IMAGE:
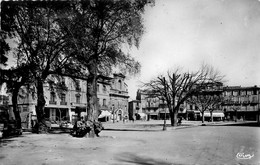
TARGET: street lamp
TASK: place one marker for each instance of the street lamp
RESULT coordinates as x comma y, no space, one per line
258,116
113,113
164,124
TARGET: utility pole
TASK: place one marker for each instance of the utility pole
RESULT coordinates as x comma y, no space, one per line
113,109
258,114
164,124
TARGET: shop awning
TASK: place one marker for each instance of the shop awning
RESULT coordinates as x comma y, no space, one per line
104,114
142,114
163,111
215,114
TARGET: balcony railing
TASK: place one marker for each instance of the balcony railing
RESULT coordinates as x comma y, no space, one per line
53,102
63,103
78,89
103,106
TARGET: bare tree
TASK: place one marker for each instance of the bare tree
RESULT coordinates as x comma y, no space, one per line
176,87
206,99
215,105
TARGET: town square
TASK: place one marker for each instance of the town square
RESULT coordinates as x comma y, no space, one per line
140,143
144,82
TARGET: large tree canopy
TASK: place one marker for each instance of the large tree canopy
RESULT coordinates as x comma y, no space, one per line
74,37
99,29
40,42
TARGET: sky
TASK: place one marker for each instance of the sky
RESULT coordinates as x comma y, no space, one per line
224,34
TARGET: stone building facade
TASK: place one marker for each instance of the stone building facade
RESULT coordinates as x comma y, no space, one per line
113,96
152,106
134,109
62,101
65,100
241,103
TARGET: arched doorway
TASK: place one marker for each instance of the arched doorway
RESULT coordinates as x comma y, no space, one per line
119,115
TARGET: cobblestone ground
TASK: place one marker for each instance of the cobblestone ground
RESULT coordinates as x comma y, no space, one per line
142,143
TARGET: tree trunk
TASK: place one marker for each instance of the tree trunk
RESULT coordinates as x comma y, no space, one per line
92,113
211,116
174,118
203,119
15,110
41,127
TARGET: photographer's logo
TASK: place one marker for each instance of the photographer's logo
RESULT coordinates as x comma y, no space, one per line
245,154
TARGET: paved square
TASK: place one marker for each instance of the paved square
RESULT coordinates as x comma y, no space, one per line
138,143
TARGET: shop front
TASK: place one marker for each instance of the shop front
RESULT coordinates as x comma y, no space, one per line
193,115
164,114
56,114
217,116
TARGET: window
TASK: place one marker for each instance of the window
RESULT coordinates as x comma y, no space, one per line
191,107
25,109
51,83
104,102
77,99
243,93
98,87
52,97
98,102
229,93
78,85
104,89
63,97
120,84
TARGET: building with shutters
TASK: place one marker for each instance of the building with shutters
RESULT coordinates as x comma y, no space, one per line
241,103
66,98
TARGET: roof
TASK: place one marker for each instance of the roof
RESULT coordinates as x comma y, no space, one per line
119,95
137,101
240,88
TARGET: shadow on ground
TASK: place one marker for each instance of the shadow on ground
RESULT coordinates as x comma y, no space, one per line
146,127
59,131
245,124
5,141
131,158
125,129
